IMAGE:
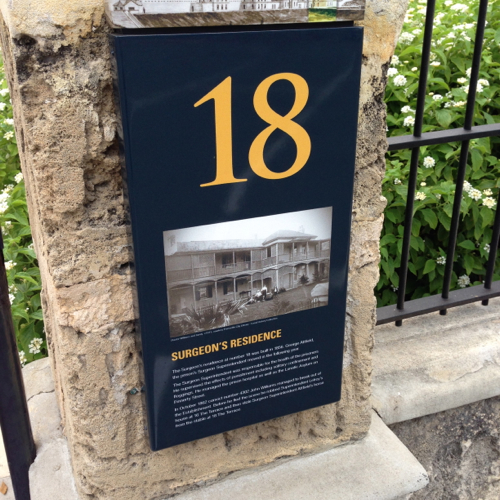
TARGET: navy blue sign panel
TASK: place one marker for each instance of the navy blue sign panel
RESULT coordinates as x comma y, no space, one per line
240,150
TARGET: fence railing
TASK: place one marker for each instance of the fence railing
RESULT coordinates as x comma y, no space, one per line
446,299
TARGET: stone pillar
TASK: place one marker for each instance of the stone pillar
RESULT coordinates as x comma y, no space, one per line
58,62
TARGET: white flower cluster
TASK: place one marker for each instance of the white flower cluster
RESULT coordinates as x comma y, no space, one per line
392,72
486,248
441,260
9,121
19,177
407,109
479,88
11,298
459,7
489,202
459,27
399,80
420,195
476,195
406,38
437,97
4,200
395,60
429,162
409,121
4,92
22,358
8,135
397,181
9,265
463,281
35,345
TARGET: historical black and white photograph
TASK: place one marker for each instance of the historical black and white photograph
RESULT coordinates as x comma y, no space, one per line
241,271
170,13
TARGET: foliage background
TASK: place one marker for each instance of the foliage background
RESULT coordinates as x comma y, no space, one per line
447,90
20,260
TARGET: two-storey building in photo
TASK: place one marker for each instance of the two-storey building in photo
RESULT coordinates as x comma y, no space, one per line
188,6
204,273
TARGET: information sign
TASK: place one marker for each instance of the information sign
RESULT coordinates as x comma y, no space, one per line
240,151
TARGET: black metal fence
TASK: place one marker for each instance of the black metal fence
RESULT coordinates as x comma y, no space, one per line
14,417
446,299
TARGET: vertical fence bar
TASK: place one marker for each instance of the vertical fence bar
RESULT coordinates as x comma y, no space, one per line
14,417
490,267
417,132
476,63
457,201
464,151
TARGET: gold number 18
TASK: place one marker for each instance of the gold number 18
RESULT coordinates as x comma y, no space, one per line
223,129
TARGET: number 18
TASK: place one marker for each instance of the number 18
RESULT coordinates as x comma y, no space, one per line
223,129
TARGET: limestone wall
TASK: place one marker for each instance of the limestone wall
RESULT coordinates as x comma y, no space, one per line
58,62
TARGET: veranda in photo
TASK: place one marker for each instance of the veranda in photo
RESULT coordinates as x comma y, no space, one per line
242,271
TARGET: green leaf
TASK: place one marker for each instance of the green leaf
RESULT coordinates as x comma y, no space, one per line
391,215
430,265
20,217
477,159
28,251
467,244
445,220
468,263
430,217
487,216
26,335
443,117
448,209
36,301
478,231
19,312
388,238
415,227
37,315
414,243
25,276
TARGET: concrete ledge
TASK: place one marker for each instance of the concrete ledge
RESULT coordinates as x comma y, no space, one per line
379,467
434,363
10,492
37,381
51,477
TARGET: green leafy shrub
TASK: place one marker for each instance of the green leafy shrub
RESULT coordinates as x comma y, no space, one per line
21,265
447,90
